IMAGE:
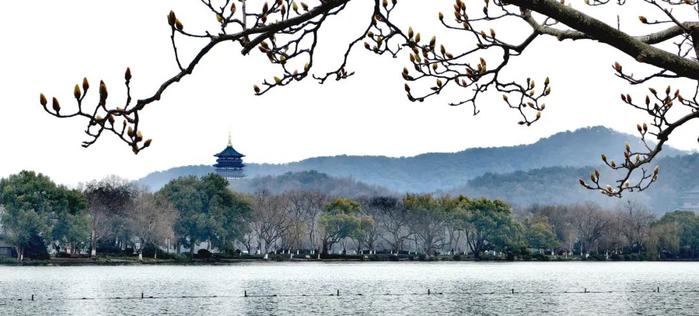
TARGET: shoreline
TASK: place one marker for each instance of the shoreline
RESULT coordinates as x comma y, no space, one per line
124,261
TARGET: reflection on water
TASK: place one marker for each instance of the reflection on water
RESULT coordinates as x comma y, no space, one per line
365,288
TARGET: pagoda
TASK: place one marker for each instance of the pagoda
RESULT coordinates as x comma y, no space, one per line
229,162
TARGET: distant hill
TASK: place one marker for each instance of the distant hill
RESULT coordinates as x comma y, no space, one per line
307,181
444,171
558,185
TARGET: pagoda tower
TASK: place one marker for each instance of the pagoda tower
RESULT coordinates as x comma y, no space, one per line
229,162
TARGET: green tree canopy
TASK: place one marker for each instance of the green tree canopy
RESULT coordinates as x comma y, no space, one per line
33,205
678,231
209,211
489,225
340,219
539,233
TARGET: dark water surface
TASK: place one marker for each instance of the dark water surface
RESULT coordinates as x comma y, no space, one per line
387,288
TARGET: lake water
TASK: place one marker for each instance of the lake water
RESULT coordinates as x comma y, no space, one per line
388,288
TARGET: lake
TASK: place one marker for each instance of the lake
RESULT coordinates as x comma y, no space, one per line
366,288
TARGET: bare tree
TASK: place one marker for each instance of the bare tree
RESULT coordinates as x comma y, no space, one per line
635,224
295,234
108,199
590,223
286,31
270,221
310,205
151,220
393,219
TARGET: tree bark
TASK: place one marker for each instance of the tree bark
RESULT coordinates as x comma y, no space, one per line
93,242
602,32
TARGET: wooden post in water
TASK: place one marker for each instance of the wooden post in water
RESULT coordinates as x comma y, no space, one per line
658,289
338,292
141,295
245,293
513,291
428,292
32,297
585,290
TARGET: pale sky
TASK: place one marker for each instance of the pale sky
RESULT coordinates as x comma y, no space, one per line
49,45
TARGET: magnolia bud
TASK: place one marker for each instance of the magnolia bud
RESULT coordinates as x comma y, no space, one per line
86,85
127,74
42,99
147,143
256,88
103,90
171,18
56,106
76,91
617,66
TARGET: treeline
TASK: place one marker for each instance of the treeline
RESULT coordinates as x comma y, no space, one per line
193,216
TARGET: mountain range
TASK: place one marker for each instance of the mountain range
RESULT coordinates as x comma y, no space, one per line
441,171
543,172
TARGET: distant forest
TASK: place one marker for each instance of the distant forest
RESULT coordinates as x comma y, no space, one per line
201,217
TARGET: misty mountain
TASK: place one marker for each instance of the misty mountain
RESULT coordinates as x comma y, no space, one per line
558,185
444,171
307,181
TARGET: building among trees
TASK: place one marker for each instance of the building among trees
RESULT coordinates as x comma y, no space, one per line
229,163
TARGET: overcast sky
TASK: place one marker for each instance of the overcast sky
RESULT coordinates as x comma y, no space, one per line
49,45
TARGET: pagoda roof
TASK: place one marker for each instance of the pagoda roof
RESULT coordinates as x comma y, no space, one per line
230,152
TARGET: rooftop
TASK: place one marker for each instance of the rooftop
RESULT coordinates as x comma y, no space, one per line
229,152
